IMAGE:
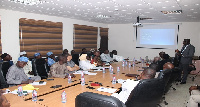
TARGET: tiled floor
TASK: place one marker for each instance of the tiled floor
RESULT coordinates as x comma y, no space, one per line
180,96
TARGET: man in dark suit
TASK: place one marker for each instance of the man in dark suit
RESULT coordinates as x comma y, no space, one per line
187,52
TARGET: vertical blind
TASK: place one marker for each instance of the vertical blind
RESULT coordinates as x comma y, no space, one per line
40,36
104,38
84,37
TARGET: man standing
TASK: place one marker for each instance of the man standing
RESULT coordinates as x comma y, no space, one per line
187,52
16,73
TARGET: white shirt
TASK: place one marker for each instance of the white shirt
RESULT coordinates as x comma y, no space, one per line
106,57
118,58
85,65
127,87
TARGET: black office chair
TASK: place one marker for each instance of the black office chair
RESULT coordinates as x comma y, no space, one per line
174,76
3,83
89,99
165,76
40,69
147,93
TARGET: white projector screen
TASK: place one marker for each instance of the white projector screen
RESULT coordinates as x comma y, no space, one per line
158,36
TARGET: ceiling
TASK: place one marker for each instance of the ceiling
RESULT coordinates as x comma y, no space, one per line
119,11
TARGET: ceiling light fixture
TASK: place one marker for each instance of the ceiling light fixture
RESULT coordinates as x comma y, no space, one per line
28,2
172,12
103,16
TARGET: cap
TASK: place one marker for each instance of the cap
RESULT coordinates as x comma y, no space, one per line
22,53
23,59
49,53
37,54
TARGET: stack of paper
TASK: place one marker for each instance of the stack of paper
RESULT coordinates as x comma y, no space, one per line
108,90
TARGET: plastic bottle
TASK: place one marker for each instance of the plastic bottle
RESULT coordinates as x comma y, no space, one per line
20,91
129,65
34,95
69,79
134,59
126,63
123,63
110,67
82,79
111,71
104,71
91,60
64,97
114,80
118,69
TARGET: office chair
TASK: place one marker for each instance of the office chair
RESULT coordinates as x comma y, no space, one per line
40,70
165,76
3,83
147,93
89,99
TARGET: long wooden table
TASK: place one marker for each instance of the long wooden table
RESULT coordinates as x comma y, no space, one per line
52,97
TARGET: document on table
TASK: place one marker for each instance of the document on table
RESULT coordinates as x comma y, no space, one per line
85,72
108,90
37,83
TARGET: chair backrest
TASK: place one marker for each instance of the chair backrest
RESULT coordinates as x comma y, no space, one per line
165,76
89,99
39,69
174,75
147,93
75,58
3,83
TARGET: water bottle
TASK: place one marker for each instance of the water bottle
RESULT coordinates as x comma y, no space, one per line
123,64
104,71
114,80
69,79
20,91
118,69
34,95
126,63
64,97
111,71
110,68
129,65
134,59
82,79
133,63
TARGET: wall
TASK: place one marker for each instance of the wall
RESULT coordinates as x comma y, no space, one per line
10,29
122,38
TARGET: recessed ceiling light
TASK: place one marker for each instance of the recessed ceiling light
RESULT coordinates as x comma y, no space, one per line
146,12
191,9
173,6
116,9
139,9
195,12
139,4
163,7
98,2
150,8
166,1
185,5
127,5
197,4
107,7
159,2
123,10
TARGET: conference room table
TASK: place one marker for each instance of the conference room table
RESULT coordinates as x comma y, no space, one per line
51,97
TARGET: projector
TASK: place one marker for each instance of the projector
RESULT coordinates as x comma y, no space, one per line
137,24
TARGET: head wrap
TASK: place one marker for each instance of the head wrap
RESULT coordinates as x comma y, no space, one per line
22,53
49,53
37,54
3,55
23,59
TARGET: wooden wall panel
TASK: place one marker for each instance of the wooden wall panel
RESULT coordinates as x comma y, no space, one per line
85,37
40,36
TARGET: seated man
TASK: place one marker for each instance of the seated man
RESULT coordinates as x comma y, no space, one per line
106,56
28,67
165,59
59,69
65,52
156,60
3,101
7,63
195,96
166,66
71,66
129,85
16,73
84,63
97,58
116,57
51,59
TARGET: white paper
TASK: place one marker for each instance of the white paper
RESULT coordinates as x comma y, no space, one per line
121,81
92,73
108,90
37,83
